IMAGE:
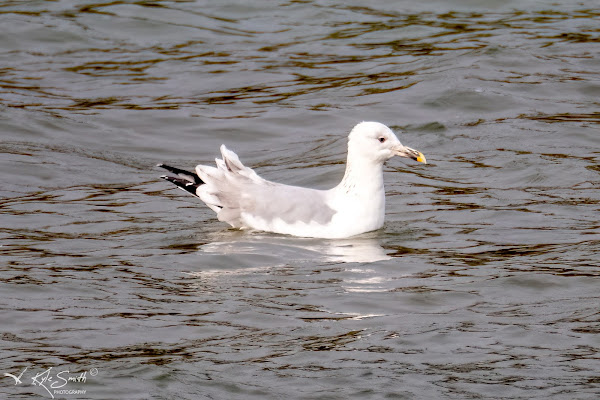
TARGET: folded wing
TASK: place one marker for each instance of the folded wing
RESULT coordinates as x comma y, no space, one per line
245,200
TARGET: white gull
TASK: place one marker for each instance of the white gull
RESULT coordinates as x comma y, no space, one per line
356,205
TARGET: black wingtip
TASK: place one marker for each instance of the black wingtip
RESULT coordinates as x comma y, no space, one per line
183,184
182,173
185,180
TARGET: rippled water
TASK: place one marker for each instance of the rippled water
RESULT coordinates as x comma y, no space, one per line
482,284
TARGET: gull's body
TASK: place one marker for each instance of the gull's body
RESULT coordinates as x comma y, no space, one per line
246,201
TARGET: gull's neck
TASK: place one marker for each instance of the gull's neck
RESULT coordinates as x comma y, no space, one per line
363,178
359,199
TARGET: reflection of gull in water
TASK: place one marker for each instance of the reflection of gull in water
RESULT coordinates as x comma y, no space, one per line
237,255
360,250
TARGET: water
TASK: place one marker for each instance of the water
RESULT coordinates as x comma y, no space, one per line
482,284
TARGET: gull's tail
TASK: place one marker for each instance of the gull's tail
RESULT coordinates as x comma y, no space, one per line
185,180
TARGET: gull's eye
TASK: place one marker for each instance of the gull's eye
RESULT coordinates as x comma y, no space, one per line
381,139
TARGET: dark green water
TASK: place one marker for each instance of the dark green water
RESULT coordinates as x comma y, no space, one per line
482,284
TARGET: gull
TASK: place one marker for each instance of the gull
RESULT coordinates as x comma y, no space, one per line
356,205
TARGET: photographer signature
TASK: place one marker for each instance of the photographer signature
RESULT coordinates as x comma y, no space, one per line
47,380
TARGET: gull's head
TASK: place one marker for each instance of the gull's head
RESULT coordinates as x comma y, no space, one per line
376,142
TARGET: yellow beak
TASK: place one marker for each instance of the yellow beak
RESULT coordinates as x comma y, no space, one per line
416,155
